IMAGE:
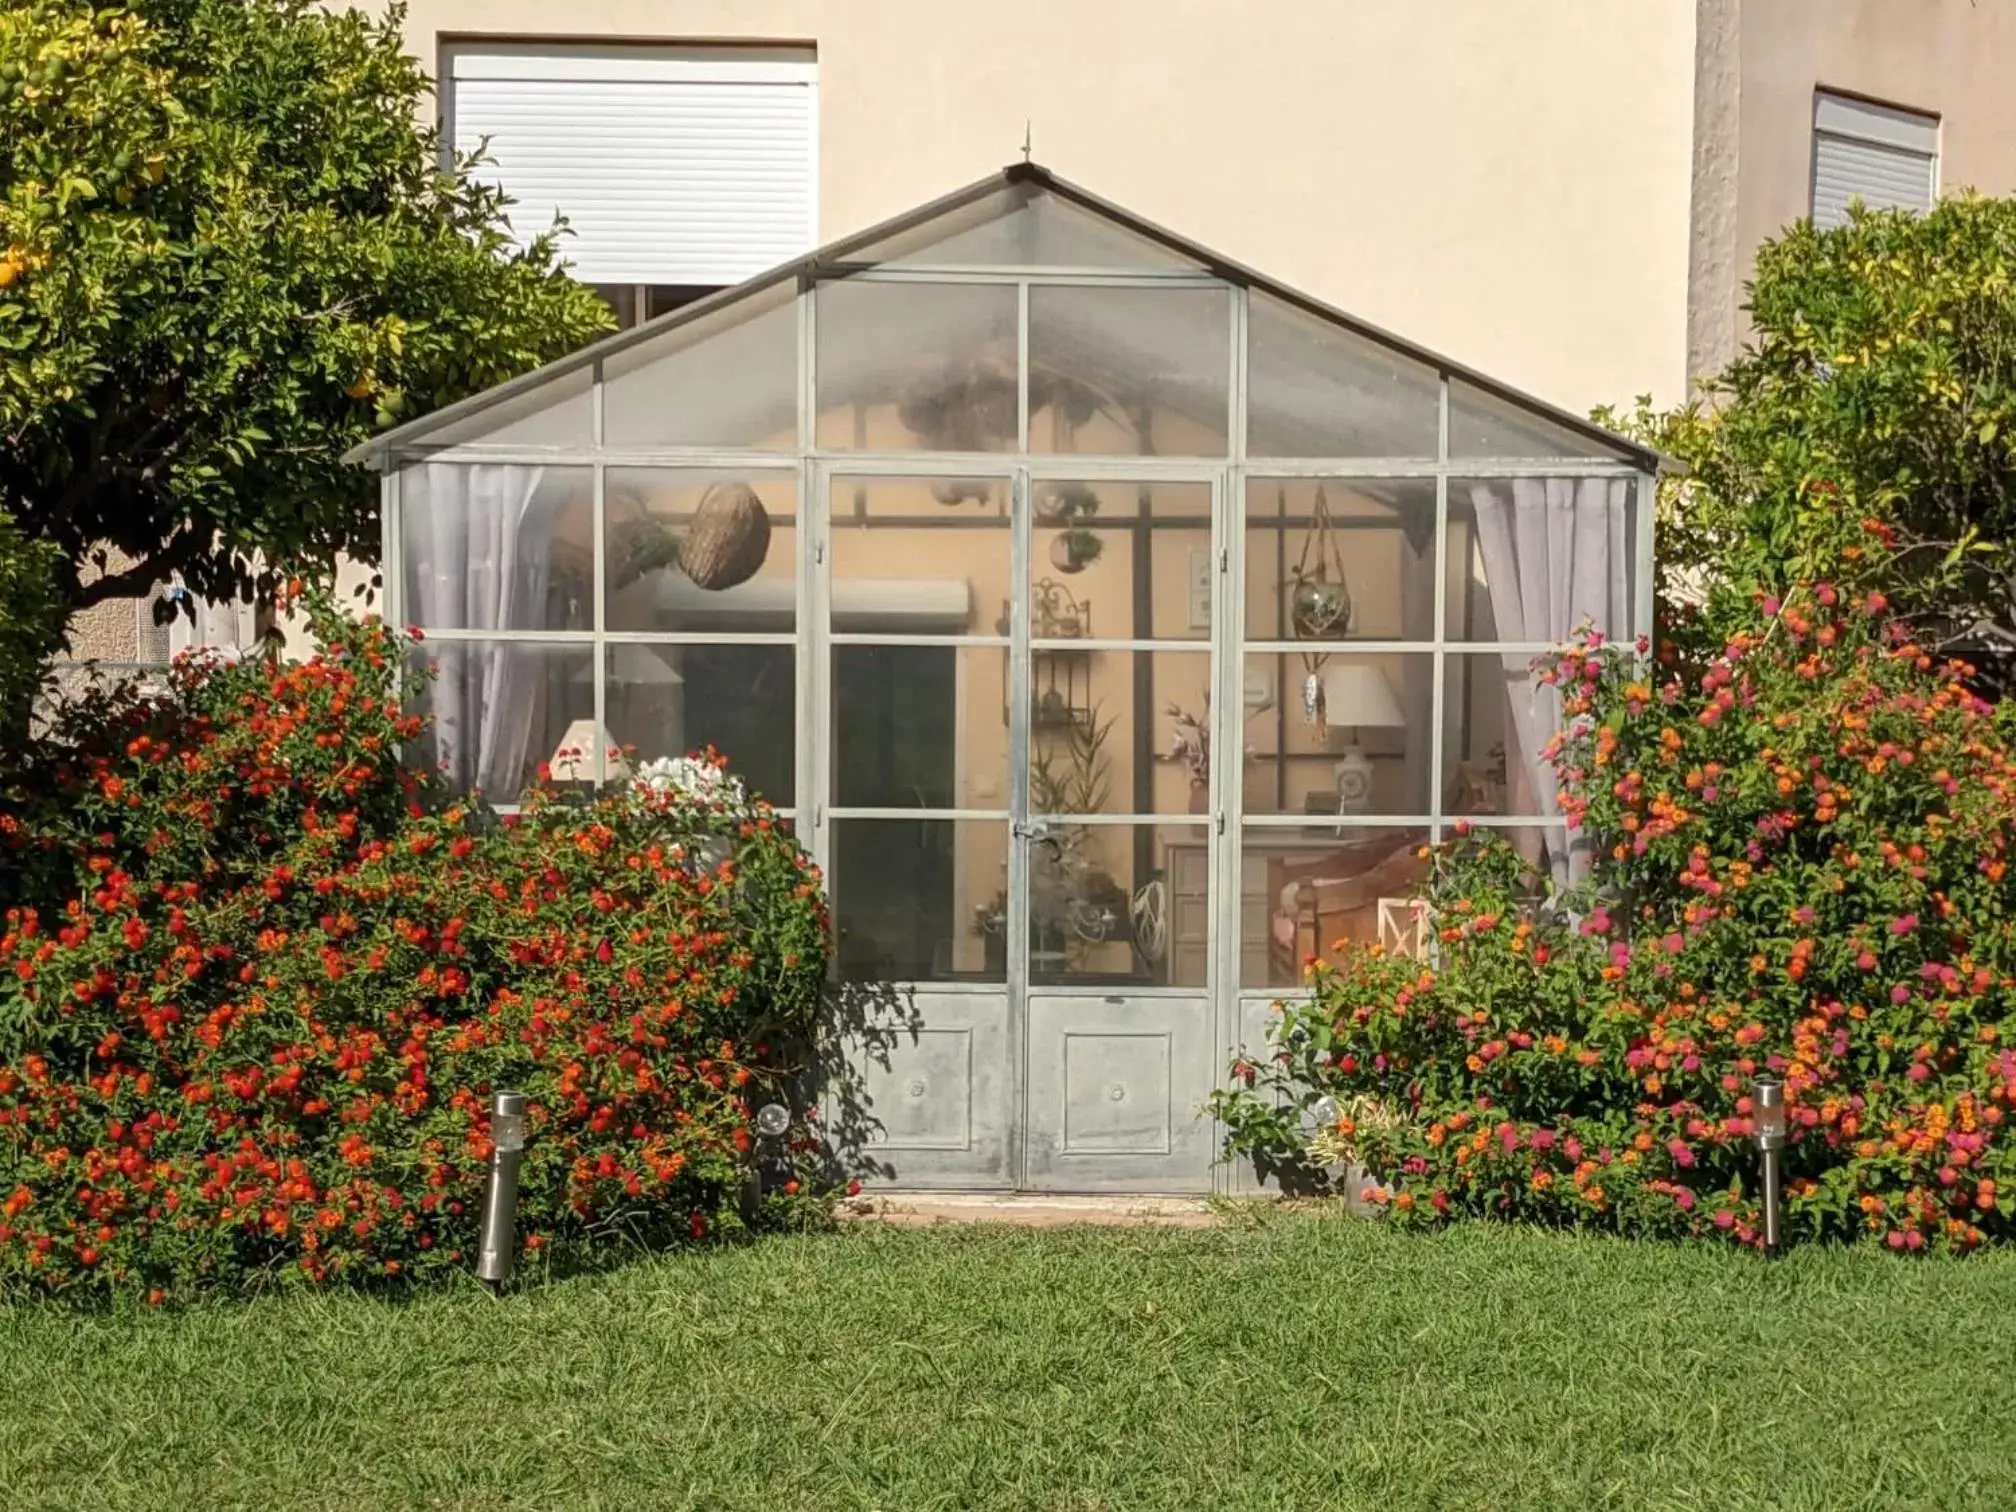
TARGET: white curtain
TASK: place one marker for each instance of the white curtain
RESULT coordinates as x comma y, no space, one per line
1556,557
484,539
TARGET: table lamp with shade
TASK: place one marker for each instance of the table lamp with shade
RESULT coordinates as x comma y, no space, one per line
630,666
1356,697
574,757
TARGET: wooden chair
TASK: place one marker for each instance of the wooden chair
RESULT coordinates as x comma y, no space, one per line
1356,892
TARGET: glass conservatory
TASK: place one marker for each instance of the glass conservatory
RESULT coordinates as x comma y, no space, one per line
1112,624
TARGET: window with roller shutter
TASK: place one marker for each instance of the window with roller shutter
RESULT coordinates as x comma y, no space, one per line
679,170
1883,156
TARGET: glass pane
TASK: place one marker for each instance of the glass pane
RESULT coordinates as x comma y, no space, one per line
1533,559
501,713
1022,226
1120,905
557,412
920,727
920,556
1315,389
1123,561
917,367
1303,894
673,700
1483,425
1368,751
694,550
728,379
497,546
1110,732
1499,718
1130,372
920,900
1334,559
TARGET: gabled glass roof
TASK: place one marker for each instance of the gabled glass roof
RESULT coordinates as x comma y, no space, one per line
1104,359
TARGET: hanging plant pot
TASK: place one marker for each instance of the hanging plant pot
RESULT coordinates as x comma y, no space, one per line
728,539
957,491
1074,551
638,547
1319,605
962,407
995,404
1067,504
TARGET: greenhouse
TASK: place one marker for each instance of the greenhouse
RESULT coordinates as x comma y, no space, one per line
1113,624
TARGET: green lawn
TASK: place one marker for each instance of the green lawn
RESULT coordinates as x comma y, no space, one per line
1293,1363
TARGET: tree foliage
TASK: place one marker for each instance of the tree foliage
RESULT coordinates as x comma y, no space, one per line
1876,402
228,253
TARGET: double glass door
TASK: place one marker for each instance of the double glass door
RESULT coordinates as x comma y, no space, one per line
1014,800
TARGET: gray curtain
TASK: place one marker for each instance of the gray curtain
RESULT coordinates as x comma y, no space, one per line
1556,557
484,543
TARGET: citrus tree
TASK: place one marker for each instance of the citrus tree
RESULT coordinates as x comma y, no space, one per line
229,251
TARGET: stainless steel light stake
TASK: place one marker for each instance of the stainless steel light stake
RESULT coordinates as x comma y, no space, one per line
1767,1120
497,1243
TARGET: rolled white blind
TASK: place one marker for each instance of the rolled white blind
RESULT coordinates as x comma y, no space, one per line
1887,158
670,170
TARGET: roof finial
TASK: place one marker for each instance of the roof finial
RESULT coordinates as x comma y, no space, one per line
1025,139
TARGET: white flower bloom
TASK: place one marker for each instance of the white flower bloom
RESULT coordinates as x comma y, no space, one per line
672,781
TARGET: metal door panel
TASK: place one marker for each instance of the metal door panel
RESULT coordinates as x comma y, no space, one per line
932,1094
1116,1093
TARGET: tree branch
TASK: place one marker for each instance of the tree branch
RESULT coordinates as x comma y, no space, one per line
140,578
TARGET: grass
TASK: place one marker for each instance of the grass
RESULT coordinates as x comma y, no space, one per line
1296,1362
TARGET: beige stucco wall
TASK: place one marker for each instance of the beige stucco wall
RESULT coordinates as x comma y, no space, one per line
1507,184
1762,61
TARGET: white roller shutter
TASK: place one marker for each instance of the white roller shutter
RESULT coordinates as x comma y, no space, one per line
670,169
1887,158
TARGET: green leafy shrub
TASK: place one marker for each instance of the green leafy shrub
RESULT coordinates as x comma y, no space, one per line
1799,866
251,1029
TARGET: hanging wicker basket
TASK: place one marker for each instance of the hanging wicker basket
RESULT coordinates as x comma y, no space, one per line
728,539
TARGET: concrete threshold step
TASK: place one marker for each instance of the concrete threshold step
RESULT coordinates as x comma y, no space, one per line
924,1209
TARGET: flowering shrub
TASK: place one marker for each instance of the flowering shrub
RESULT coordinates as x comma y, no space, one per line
1800,867
252,1015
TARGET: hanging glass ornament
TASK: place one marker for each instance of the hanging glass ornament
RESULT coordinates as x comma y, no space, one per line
1319,603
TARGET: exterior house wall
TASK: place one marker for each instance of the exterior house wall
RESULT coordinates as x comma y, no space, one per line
106,632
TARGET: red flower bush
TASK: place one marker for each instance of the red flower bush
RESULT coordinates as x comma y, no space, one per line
1799,866
260,980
